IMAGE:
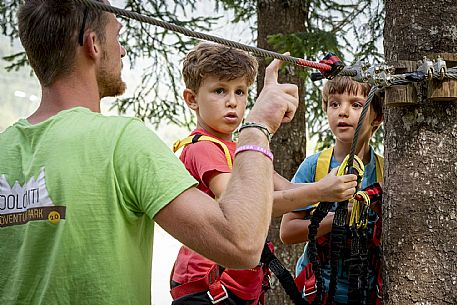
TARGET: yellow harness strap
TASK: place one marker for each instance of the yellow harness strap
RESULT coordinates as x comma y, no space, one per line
361,200
379,168
323,165
197,138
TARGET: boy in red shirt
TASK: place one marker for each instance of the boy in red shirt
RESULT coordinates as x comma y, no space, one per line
217,81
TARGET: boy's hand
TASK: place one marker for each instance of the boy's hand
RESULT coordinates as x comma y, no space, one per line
335,188
276,103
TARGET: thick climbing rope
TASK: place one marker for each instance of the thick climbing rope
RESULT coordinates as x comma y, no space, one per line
179,29
359,125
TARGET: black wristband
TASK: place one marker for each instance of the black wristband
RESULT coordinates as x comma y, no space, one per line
261,127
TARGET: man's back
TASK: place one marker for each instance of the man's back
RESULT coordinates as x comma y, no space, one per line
77,195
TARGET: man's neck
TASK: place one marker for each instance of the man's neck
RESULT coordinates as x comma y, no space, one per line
66,94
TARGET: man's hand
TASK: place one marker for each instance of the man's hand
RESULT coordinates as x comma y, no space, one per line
337,188
276,103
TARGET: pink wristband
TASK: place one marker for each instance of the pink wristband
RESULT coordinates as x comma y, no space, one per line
250,147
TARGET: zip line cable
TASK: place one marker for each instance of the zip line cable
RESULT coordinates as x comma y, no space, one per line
400,79
179,29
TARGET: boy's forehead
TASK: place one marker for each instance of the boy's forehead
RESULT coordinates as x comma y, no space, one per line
223,78
348,95
353,88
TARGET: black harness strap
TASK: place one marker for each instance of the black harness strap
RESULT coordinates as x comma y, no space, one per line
354,269
283,275
196,137
358,265
337,239
318,215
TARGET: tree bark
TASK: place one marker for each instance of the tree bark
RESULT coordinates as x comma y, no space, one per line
420,206
289,143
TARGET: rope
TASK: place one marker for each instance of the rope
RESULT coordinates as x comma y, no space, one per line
359,125
179,29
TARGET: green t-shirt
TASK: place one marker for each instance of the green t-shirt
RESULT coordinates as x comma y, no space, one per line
78,193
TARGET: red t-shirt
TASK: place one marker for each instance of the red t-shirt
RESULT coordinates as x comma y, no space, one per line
200,159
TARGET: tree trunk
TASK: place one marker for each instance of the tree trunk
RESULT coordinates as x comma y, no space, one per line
289,143
420,206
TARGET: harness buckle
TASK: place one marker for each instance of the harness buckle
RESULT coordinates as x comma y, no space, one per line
305,294
378,293
219,297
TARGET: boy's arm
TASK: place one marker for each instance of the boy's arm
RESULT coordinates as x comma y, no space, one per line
293,196
294,228
217,183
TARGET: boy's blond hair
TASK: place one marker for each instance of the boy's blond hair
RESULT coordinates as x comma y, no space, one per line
345,84
210,59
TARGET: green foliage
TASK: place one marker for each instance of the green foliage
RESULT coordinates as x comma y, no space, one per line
8,9
158,97
17,60
351,29
242,9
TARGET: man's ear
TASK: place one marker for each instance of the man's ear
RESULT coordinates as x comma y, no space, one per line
190,98
92,45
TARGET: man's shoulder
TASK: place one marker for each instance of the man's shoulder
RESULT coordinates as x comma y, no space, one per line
116,120
113,124
105,129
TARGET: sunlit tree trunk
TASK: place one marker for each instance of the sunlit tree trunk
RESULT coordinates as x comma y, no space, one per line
420,205
289,143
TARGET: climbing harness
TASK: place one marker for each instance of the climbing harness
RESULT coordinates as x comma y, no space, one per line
310,278
199,137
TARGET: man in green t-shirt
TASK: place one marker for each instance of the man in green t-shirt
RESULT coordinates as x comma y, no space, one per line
80,192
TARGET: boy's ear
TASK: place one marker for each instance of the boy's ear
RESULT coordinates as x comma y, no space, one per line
189,97
376,123
377,120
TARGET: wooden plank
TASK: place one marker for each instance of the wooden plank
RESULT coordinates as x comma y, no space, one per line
437,91
442,91
400,95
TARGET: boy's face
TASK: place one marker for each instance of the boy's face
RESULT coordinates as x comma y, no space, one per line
343,112
219,105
